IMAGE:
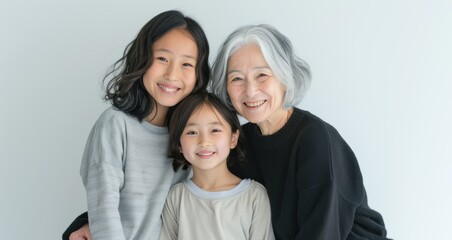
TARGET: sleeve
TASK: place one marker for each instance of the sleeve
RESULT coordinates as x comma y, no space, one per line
324,214
261,225
170,223
75,225
368,224
103,177
330,186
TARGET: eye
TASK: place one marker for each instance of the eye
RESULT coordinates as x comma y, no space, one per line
235,79
262,76
191,132
161,59
216,130
188,65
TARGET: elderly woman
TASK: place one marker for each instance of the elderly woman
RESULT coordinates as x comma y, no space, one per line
312,177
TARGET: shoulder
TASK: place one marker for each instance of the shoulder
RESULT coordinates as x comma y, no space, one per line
316,134
176,191
256,189
114,120
313,127
177,188
256,195
312,143
113,115
326,157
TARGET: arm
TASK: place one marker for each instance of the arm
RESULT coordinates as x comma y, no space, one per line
332,191
170,223
330,215
103,177
261,225
324,214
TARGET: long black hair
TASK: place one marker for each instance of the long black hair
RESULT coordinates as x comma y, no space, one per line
125,90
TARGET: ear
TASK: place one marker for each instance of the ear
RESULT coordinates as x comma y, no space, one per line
235,139
180,149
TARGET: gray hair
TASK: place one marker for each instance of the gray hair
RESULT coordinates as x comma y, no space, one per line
292,71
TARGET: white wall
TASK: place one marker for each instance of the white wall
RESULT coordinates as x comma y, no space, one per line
382,76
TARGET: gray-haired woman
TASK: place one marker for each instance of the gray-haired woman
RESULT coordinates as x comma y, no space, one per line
312,177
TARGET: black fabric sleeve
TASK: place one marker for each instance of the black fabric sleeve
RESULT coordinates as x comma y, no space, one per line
368,223
326,214
323,213
332,198
76,225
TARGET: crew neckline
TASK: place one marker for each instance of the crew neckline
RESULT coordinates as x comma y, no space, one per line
201,193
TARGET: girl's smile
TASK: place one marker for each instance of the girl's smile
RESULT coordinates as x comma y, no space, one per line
207,139
172,74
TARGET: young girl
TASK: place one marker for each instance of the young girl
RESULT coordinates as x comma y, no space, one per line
214,203
125,168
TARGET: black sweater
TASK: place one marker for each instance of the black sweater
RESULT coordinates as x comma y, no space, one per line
313,181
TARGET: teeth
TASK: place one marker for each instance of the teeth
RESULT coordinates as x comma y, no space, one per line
205,153
168,89
254,104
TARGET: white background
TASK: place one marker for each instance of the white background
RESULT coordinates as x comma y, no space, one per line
382,73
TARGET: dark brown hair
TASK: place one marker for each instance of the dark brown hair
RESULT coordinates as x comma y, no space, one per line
125,90
179,119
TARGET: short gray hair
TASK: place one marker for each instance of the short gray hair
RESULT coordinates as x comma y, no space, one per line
292,71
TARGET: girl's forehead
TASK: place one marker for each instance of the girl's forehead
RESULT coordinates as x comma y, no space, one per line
177,33
177,40
205,111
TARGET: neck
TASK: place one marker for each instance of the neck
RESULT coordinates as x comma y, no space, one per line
214,181
274,123
158,116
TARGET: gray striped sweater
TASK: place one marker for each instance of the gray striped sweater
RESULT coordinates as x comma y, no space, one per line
127,176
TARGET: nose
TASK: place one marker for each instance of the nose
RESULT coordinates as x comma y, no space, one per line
204,140
172,72
250,88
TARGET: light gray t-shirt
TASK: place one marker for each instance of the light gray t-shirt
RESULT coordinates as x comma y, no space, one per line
191,213
127,176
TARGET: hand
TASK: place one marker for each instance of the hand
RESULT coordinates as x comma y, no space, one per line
82,233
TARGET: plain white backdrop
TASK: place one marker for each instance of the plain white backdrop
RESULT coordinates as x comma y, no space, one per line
382,75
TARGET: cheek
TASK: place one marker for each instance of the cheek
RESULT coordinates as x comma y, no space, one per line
149,76
282,93
183,145
236,103
233,94
153,69
276,90
190,80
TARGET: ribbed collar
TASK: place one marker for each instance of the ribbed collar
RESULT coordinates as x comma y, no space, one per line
201,193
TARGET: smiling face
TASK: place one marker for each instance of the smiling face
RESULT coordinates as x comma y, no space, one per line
254,90
207,140
172,75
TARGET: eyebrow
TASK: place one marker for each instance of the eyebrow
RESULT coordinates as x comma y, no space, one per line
195,124
255,68
168,51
